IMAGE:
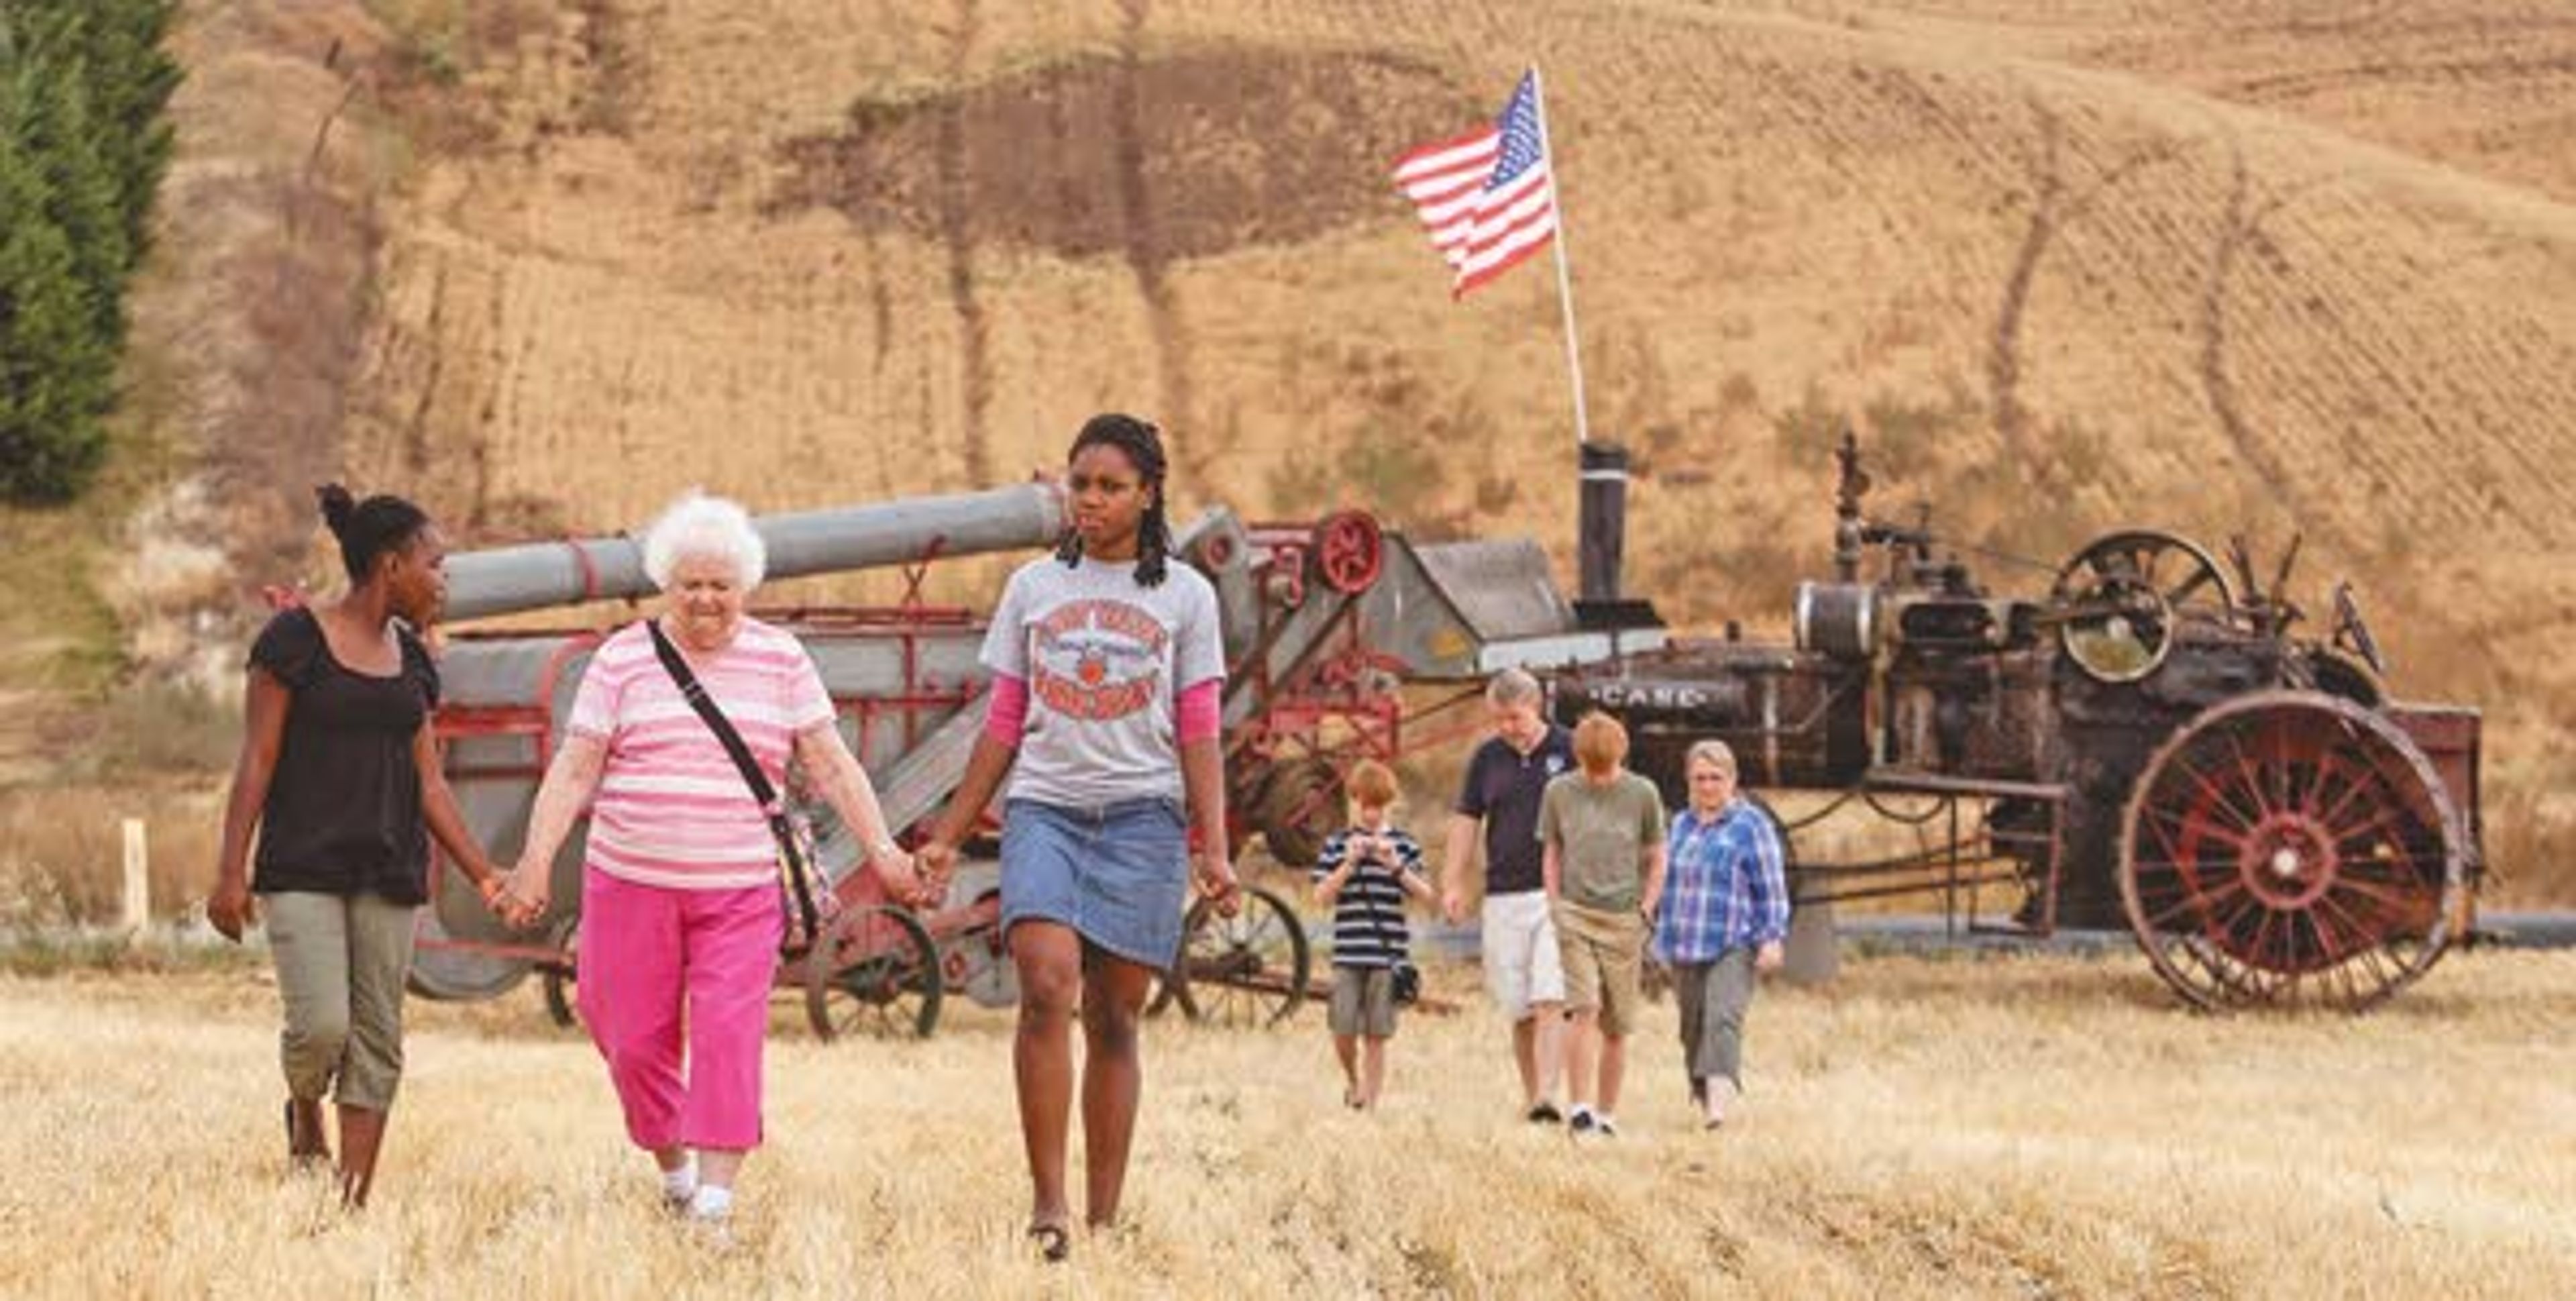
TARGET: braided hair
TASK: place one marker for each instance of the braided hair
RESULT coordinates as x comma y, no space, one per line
368,529
1143,444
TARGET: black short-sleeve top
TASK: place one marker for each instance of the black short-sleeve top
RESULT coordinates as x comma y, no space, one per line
1504,787
343,814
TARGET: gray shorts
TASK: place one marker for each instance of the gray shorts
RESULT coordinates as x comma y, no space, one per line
1363,1002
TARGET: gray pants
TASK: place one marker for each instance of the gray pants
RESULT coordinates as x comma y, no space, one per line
340,967
1713,998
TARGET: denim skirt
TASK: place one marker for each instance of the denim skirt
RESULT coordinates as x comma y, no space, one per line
1118,874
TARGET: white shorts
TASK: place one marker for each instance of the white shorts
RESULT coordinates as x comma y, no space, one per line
1522,963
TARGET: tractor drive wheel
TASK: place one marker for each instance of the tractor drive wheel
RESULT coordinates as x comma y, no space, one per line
875,972
2291,848
1247,970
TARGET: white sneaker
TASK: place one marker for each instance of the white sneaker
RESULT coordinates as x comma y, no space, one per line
711,1209
679,1188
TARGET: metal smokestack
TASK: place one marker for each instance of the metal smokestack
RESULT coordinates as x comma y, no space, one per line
1603,525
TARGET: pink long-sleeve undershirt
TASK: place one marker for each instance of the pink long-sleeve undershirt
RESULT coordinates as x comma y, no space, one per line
1006,719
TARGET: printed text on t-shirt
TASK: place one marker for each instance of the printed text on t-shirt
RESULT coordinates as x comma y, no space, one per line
1097,659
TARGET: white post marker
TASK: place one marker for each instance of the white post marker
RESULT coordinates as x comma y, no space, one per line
138,879
1564,276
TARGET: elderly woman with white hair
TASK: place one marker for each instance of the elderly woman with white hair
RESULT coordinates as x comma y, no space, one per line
680,905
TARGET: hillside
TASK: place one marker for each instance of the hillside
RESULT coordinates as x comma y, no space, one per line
2067,265
2269,268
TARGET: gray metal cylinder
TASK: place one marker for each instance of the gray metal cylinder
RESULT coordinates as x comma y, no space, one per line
1837,619
535,575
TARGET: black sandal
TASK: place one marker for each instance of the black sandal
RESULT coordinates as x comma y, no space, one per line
1054,1242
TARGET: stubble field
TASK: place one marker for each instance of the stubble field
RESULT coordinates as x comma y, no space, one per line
2029,1126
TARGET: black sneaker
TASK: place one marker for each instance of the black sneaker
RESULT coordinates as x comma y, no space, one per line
1544,1113
1583,1122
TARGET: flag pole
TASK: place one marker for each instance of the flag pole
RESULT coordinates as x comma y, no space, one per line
1564,276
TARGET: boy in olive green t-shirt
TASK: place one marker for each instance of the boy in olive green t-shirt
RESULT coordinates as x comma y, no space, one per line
1603,831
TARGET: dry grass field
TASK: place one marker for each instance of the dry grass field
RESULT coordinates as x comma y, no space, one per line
2023,1127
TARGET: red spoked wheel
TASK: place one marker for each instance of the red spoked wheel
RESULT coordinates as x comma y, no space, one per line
1350,551
2291,848
875,971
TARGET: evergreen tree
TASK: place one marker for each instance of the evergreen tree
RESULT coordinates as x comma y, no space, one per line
131,77
56,373
60,136
84,139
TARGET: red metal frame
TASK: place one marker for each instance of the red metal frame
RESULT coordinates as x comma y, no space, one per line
1340,680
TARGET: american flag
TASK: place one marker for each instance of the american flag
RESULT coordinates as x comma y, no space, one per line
1485,197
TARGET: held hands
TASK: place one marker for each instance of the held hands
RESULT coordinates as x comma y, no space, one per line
907,878
524,894
936,862
495,892
231,908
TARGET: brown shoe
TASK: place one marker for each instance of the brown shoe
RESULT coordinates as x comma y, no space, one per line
362,1136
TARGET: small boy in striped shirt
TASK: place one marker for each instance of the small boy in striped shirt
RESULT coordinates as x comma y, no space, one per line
1364,874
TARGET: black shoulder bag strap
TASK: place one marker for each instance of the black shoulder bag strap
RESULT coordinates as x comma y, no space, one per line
799,890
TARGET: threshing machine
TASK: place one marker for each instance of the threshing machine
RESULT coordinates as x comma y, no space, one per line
1322,623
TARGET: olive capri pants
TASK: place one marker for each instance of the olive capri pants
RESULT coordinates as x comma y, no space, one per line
341,961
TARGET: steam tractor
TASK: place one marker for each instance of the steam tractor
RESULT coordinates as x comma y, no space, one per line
2149,743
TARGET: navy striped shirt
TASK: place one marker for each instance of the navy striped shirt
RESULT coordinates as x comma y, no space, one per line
1368,916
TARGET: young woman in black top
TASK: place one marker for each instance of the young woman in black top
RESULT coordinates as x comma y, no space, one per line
339,776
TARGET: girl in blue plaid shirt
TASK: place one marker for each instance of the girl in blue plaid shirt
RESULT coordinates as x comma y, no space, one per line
1725,912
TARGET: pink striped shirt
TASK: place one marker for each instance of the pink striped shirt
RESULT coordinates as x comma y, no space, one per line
671,809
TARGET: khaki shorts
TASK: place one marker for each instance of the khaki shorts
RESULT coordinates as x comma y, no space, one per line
1604,955
1363,1002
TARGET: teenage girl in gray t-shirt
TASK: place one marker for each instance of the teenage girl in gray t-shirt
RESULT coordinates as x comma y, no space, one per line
1106,665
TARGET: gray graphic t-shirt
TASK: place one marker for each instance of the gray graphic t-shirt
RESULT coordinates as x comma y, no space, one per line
1104,658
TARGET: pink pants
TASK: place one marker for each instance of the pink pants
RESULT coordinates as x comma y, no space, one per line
675,989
